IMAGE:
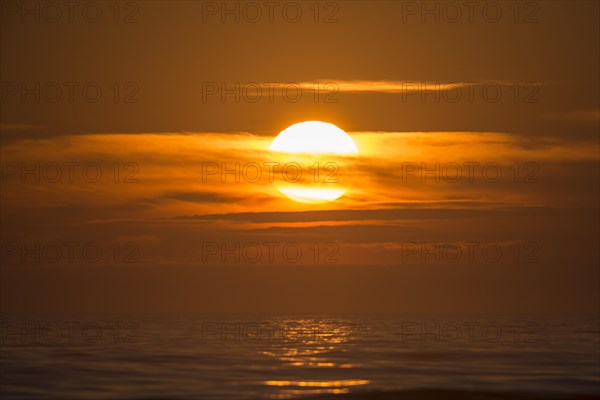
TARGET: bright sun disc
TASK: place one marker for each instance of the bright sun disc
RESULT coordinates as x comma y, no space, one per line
314,137
311,141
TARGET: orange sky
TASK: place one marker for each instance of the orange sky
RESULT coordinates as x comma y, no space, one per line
165,228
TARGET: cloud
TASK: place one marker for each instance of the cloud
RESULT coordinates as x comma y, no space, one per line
154,176
468,210
384,86
200,197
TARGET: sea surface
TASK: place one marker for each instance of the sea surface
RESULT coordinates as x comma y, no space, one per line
298,357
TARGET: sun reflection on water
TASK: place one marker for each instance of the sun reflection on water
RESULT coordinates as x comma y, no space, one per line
310,356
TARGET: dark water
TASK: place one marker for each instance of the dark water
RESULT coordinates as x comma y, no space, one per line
267,357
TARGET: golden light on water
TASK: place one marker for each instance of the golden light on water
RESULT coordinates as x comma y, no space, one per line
312,348
327,384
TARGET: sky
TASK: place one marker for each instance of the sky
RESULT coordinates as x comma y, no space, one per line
131,139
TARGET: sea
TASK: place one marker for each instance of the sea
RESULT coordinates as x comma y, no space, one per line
177,356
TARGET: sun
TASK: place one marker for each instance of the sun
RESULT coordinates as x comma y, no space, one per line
314,137
315,150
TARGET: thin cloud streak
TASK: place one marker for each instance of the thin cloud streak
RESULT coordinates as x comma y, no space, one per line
381,86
